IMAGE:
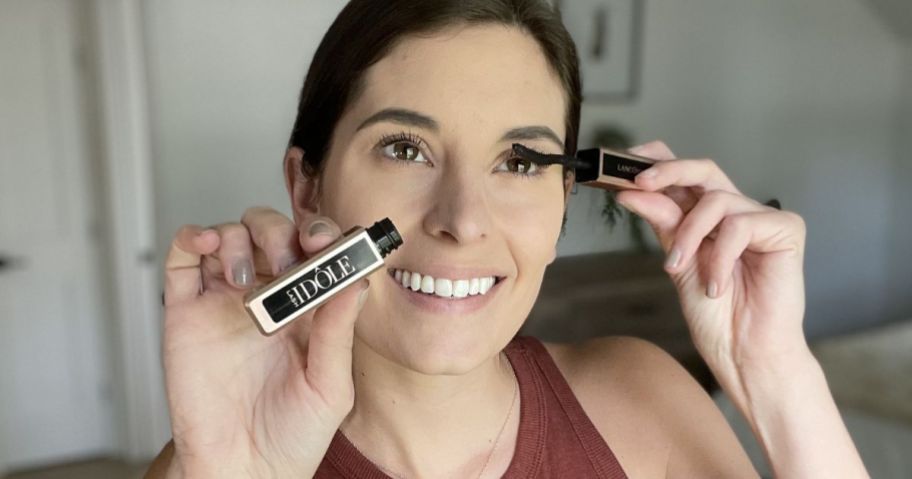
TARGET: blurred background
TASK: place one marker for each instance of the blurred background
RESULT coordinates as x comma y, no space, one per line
120,120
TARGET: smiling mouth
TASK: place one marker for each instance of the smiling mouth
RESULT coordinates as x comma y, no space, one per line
444,287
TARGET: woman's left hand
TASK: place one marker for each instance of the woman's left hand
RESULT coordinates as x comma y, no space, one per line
737,264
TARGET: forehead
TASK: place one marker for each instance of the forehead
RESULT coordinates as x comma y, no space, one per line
481,77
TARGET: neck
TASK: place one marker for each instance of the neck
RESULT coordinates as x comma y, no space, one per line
420,425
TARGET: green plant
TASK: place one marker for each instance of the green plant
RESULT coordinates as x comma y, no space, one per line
614,137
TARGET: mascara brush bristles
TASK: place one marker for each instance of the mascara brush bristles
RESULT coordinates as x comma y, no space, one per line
548,159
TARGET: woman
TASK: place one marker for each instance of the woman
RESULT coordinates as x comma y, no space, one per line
408,111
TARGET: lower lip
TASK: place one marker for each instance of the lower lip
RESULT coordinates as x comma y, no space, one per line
437,304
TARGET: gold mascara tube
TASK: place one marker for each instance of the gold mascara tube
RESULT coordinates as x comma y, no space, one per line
359,252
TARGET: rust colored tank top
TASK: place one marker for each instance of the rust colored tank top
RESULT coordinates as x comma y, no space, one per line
556,438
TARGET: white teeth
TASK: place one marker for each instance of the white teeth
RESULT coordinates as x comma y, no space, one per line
474,286
460,288
443,287
427,284
485,284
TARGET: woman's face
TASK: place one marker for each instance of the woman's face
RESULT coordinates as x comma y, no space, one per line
428,144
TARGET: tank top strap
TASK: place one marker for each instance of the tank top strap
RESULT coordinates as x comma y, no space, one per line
597,450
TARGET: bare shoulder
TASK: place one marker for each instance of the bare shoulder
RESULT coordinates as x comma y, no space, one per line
628,370
653,414
615,358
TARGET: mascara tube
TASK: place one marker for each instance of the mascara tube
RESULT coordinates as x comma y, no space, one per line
610,169
359,252
595,167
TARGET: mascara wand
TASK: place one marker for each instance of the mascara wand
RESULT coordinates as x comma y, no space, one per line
548,159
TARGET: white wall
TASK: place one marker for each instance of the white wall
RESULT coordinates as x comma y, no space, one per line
901,220
224,79
896,14
794,99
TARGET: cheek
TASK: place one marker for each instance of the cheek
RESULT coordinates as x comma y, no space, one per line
356,192
344,205
532,222
531,231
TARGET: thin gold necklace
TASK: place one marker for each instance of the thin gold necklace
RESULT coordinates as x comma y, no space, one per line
493,448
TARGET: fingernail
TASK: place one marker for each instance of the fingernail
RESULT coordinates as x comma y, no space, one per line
712,290
242,271
363,296
319,228
674,257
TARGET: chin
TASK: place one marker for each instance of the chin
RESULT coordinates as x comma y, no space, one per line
430,347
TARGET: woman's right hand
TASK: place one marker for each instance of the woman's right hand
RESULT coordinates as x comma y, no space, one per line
243,404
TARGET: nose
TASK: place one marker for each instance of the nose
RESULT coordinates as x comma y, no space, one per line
460,211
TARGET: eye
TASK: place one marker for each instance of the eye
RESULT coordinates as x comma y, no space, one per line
519,166
402,147
404,151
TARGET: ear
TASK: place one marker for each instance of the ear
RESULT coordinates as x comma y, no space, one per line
302,188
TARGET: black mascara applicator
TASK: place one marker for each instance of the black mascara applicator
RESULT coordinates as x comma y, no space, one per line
545,159
596,167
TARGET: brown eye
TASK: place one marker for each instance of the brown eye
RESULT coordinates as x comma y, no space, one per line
520,166
404,151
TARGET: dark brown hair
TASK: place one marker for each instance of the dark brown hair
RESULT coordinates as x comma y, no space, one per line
366,30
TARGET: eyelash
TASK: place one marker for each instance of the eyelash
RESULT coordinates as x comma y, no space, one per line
407,137
415,140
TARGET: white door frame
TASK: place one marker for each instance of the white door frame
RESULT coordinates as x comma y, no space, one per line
125,145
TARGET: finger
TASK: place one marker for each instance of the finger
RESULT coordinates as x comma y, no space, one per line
183,279
236,255
657,209
703,175
686,198
657,150
329,350
317,232
767,232
275,235
712,208
733,238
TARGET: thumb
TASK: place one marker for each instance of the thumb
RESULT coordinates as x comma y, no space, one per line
657,209
329,350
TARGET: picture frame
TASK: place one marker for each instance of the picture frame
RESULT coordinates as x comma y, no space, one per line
608,36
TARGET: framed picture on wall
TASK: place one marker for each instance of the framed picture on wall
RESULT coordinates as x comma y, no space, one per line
608,38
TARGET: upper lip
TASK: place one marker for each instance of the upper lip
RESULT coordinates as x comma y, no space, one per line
452,272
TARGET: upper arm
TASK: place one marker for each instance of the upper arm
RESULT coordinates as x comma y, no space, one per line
620,379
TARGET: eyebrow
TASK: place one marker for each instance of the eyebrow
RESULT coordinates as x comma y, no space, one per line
532,133
402,117
407,117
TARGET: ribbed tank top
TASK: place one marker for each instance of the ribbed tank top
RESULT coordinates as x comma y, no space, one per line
556,438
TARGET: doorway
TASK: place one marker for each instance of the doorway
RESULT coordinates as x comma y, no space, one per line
56,399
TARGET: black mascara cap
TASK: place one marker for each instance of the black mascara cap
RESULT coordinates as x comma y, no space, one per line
385,236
